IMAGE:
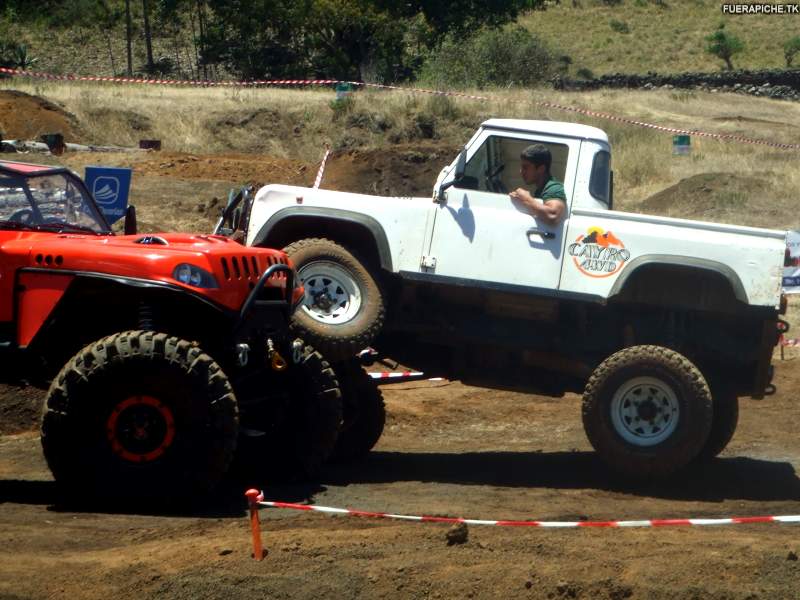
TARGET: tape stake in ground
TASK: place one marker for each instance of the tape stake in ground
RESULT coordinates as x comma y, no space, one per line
256,500
253,498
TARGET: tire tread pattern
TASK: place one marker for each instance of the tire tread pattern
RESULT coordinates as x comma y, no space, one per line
338,345
667,457
71,395
364,412
317,417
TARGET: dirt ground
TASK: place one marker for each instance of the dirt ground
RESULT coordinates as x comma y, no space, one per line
448,449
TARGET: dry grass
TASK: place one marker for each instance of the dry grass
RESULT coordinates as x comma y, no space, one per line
185,119
298,123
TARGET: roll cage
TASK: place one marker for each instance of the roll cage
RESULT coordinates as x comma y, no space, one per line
15,179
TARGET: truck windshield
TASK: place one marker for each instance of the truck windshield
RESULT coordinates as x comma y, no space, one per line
49,202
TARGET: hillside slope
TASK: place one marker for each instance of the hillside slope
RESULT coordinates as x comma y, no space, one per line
665,36
633,36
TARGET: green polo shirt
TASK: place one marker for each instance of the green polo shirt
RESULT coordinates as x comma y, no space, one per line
551,190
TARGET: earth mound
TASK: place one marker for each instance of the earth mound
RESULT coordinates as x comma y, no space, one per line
706,197
26,117
399,171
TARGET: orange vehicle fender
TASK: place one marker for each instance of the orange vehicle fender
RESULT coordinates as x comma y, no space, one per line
39,294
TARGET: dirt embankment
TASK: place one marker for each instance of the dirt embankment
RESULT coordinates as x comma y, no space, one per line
26,117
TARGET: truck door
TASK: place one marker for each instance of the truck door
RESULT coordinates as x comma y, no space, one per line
480,234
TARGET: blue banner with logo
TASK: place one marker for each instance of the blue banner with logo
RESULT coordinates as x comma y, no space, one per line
110,187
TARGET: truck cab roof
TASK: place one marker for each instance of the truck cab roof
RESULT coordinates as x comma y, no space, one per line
557,128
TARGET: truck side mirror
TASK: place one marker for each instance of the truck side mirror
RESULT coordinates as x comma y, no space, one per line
461,166
130,220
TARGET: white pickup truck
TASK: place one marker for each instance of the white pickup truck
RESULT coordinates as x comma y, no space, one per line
662,323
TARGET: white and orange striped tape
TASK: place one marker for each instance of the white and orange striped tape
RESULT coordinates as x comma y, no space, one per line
396,374
531,523
321,172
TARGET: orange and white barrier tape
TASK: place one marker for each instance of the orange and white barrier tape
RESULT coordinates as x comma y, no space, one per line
532,523
256,500
396,375
304,82
190,82
718,136
321,171
402,375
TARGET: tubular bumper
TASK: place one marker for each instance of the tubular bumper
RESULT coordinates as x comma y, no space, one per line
255,302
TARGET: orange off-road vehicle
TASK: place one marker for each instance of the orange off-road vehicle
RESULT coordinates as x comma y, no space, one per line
162,352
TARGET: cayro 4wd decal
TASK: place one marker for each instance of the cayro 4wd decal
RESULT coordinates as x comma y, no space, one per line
598,253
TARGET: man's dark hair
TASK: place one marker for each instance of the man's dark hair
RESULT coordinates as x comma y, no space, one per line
537,154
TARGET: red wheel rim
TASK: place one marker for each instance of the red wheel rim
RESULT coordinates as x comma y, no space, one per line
140,429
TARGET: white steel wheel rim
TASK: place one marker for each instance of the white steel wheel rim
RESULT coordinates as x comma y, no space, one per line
645,411
332,294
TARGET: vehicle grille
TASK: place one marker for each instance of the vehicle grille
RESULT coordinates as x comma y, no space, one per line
248,267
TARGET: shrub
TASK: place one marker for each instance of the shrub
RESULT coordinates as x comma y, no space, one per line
424,126
443,107
161,66
584,73
15,56
341,107
724,45
370,121
790,49
491,57
619,26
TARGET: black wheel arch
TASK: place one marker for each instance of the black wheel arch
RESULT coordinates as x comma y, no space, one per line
351,229
83,315
680,282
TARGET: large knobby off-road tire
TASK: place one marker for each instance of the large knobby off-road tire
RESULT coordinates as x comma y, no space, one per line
647,411
726,418
364,412
140,416
297,444
344,306
316,412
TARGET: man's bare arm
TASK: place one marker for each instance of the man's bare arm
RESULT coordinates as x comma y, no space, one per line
549,211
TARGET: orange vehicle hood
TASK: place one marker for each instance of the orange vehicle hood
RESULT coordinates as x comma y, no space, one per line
152,257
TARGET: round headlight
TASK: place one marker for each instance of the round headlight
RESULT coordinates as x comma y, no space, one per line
184,274
189,274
